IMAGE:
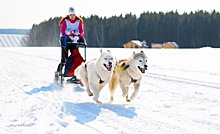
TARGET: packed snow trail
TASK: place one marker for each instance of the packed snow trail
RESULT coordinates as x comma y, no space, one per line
30,102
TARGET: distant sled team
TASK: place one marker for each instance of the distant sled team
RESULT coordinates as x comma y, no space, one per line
96,73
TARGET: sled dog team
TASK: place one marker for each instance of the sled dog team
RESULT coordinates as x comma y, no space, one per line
106,69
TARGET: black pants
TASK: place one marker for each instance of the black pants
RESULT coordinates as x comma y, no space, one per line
65,50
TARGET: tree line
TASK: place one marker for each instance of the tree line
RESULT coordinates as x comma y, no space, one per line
188,30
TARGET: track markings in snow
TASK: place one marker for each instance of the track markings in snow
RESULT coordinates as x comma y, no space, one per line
186,80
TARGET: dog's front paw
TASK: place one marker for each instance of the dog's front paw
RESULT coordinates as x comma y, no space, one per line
90,94
98,101
128,100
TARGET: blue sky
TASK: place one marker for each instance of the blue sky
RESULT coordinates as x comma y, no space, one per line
25,13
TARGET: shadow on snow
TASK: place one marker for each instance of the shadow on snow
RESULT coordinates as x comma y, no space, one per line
51,87
87,112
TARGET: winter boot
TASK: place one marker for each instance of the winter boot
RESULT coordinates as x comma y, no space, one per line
56,77
73,80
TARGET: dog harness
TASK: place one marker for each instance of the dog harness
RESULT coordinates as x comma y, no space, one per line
124,67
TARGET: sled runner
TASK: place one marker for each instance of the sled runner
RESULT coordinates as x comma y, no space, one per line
73,60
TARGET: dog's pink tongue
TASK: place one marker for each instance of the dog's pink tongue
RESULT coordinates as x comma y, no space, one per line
143,70
109,67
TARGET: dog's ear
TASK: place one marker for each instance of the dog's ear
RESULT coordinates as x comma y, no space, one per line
108,51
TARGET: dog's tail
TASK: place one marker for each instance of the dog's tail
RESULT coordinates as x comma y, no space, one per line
113,83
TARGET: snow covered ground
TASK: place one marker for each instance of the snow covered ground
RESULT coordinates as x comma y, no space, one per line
180,94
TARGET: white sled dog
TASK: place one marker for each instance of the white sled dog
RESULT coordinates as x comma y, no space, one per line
96,73
128,71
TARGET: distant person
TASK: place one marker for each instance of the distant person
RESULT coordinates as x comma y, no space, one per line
71,30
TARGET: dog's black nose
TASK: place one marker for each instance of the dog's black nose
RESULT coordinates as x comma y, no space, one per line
145,66
110,63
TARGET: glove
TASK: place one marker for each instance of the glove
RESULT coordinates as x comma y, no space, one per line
73,32
80,40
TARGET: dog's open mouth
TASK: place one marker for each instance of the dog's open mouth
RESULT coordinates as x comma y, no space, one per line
142,69
108,67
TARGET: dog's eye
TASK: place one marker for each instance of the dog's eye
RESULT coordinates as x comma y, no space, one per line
111,58
140,60
105,58
146,60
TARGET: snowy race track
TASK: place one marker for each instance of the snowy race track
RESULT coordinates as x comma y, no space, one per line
180,93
